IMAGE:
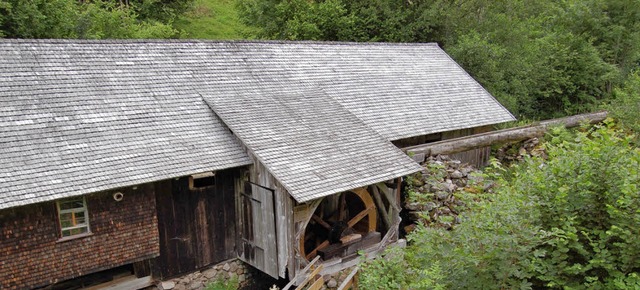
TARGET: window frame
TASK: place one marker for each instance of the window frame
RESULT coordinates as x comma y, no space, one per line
73,211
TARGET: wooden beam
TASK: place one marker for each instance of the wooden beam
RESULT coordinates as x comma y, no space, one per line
317,284
576,120
385,216
361,215
389,196
308,278
128,282
348,281
462,144
319,247
303,272
321,222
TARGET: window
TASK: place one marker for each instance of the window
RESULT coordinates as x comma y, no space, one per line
73,216
202,180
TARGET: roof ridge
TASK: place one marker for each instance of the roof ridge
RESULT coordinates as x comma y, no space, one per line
232,41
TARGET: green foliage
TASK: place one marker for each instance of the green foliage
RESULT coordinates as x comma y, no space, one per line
212,19
625,104
297,19
164,11
39,18
566,222
104,20
589,201
72,19
223,284
541,59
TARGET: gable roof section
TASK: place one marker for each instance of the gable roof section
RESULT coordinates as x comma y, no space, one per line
82,118
309,142
400,90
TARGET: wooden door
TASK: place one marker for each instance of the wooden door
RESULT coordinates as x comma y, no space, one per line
257,230
196,225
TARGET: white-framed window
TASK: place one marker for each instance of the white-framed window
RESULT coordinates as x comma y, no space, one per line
73,216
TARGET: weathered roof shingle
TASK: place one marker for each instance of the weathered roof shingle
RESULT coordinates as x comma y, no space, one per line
308,141
84,116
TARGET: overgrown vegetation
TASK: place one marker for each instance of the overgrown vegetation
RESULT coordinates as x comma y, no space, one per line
625,104
98,19
541,59
223,284
212,19
569,221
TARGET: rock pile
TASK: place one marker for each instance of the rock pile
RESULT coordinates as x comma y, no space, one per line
515,151
433,196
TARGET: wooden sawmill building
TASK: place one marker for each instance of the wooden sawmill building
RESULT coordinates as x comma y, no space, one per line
162,157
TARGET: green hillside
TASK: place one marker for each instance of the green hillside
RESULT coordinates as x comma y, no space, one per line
212,19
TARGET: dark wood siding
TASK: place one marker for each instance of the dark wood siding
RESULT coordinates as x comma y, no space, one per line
196,225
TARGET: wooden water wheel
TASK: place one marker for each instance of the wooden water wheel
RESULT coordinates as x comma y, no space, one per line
348,213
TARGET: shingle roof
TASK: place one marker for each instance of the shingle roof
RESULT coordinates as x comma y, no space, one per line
402,90
82,116
308,141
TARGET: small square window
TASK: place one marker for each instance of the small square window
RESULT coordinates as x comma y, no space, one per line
73,216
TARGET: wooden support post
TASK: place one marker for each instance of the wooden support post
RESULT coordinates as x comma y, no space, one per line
385,216
390,197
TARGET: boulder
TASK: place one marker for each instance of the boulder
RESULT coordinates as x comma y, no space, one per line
166,285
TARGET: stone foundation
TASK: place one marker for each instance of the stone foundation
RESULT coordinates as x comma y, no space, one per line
198,280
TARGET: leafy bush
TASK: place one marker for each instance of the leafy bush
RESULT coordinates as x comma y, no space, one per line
589,202
566,222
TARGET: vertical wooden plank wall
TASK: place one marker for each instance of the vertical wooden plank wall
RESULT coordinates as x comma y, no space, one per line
477,157
197,227
272,226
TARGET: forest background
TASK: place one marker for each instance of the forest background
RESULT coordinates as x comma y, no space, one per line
568,220
541,59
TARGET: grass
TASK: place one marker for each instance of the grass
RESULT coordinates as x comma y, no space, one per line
212,19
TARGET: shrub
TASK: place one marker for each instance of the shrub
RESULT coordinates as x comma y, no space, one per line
569,221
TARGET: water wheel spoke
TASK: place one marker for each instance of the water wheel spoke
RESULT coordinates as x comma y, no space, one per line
315,251
352,212
321,222
359,216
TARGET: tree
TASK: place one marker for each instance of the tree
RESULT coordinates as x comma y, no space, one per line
540,58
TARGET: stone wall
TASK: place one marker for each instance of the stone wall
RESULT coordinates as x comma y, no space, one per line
33,253
230,270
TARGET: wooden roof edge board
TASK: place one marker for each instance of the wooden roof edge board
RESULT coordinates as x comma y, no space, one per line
49,198
362,184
